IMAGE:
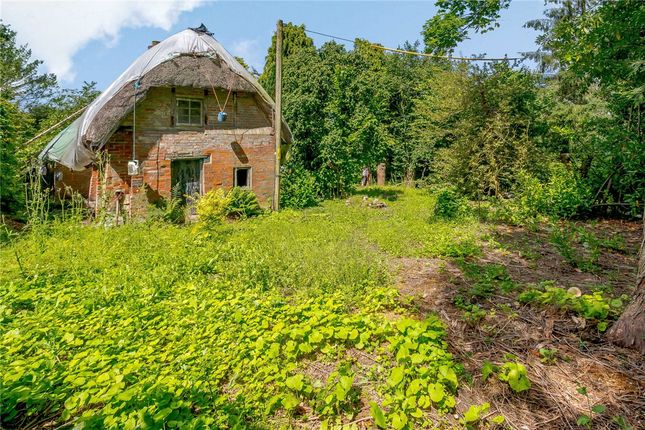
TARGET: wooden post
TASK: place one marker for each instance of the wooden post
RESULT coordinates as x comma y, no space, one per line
380,175
278,115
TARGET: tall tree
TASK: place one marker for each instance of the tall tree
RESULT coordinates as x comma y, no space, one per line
294,40
455,18
20,80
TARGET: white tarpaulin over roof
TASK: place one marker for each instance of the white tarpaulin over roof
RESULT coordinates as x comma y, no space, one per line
71,146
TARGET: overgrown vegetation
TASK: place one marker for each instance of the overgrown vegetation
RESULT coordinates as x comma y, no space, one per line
562,144
284,319
236,313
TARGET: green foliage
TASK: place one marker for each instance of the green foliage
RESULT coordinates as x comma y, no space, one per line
242,203
19,77
212,207
580,247
486,280
562,195
219,204
450,204
455,18
213,328
475,413
492,131
548,355
586,420
408,227
595,114
170,210
594,307
14,129
512,372
297,188
516,375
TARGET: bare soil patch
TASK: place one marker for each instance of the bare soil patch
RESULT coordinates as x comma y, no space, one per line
613,376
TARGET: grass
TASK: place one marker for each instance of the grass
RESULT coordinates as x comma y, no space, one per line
154,325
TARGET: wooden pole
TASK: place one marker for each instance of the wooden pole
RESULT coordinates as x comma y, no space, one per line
278,115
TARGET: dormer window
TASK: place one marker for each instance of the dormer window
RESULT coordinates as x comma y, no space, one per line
189,112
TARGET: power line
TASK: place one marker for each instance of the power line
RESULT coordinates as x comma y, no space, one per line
420,54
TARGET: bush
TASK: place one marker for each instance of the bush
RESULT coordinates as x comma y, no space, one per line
242,203
298,188
169,210
217,205
449,204
562,195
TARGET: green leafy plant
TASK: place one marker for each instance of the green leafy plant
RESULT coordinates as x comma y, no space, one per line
548,355
586,420
218,204
594,307
449,204
242,203
515,374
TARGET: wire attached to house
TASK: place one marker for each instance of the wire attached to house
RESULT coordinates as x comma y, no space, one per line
55,126
137,85
420,54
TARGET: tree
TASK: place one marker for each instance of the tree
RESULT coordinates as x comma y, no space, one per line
600,43
455,18
596,47
19,77
294,39
629,330
15,128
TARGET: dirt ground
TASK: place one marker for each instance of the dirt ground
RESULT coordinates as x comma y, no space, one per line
613,376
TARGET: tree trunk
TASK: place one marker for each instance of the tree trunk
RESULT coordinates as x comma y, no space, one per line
629,330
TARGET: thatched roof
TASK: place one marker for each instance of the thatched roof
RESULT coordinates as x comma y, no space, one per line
191,58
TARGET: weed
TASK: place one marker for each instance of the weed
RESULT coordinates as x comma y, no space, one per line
578,246
157,325
595,306
586,420
548,355
486,279
512,372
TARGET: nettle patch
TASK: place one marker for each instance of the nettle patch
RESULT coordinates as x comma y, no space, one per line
216,354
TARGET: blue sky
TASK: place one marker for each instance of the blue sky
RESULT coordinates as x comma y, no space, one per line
122,30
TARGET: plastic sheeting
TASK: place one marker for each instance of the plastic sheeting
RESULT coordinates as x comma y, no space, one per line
71,148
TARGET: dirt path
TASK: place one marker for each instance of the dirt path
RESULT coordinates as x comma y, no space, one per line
613,376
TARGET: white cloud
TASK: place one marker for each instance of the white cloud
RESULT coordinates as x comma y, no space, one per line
56,30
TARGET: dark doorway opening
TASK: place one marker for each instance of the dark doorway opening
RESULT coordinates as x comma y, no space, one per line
186,176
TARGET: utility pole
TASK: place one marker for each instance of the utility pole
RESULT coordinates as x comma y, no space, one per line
278,115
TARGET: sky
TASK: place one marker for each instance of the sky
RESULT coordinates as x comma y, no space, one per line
95,40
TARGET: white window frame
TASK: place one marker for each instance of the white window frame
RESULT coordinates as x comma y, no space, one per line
201,111
249,176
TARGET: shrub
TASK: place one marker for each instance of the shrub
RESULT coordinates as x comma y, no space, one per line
242,203
217,205
449,204
562,195
212,206
298,188
169,210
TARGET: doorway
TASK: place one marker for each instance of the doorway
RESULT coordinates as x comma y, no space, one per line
186,178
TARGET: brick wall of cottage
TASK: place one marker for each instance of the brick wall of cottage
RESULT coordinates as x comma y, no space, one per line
245,139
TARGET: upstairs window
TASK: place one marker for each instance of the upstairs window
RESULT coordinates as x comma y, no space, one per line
189,112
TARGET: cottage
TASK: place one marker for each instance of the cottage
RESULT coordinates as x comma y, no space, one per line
184,118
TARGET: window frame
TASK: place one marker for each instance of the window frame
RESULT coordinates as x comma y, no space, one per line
249,177
190,101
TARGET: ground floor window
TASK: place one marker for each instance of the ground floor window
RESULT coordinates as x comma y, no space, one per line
243,177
